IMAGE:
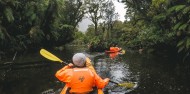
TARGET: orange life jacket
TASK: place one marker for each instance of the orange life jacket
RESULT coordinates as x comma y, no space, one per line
112,48
66,74
115,49
82,80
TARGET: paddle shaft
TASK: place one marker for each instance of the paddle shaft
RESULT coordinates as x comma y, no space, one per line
114,82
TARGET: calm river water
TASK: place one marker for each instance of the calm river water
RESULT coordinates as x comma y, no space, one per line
152,74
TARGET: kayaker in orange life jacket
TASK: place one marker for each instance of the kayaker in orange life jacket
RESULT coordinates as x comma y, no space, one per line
79,78
115,48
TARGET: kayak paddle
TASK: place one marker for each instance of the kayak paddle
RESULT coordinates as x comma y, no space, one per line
126,84
50,56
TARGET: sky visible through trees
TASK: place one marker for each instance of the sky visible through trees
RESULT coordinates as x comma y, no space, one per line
119,9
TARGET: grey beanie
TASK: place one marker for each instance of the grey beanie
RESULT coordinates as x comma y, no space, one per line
79,59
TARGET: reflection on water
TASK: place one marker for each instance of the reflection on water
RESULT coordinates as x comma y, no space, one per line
153,74
117,70
158,74
26,81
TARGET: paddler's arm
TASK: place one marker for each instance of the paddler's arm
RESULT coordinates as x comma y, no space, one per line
63,74
99,82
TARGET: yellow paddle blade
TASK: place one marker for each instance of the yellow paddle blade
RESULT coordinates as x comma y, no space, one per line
127,84
49,55
123,51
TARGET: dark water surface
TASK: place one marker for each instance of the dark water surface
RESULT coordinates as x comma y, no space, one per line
152,74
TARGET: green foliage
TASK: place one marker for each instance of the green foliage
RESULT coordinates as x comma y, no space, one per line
186,10
184,44
181,24
160,22
183,27
177,26
160,17
158,3
89,34
153,36
146,36
62,26
9,14
176,8
36,34
38,22
95,10
79,38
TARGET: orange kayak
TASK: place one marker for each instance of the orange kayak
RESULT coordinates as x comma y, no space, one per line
118,51
111,51
89,65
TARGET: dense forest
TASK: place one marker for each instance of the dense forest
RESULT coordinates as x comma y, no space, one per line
151,25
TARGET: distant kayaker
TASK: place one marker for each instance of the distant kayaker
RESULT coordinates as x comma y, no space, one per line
115,48
79,78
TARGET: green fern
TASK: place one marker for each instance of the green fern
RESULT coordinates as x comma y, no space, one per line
159,17
184,44
180,43
183,27
186,10
170,10
179,7
176,27
9,14
176,8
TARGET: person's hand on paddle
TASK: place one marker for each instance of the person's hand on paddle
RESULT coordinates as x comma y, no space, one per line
106,80
70,65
